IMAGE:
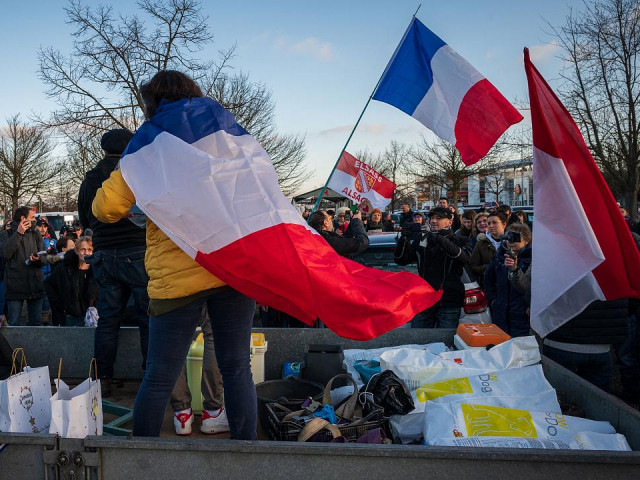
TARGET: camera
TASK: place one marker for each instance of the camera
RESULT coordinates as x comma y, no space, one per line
514,237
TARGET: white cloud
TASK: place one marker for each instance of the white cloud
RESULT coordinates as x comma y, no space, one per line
371,128
544,52
309,46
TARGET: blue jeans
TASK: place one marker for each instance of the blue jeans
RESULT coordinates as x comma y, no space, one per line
444,317
170,336
34,311
593,367
120,273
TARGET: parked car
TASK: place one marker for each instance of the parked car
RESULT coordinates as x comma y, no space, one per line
379,254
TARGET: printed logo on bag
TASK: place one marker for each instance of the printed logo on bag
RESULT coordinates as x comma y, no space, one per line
484,381
555,421
485,421
434,390
26,398
95,408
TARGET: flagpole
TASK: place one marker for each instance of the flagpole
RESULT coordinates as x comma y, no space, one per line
321,194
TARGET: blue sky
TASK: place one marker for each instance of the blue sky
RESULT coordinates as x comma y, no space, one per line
321,60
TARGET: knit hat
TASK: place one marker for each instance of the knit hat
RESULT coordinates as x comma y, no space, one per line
376,210
115,141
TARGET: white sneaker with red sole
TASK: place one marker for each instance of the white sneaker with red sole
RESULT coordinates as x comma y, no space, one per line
182,421
214,421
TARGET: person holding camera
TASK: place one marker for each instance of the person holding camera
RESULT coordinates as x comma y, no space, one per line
21,247
509,304
353,241
487,245
441,256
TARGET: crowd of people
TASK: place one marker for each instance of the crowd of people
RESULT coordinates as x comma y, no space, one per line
494,246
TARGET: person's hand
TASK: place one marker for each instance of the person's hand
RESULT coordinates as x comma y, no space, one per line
23,226
357,215
34,257
511,263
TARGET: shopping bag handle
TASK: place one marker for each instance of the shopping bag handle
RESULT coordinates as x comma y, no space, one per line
347,409
91,367
314,426
59,373
14,357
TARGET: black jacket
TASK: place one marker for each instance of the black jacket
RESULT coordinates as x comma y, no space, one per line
22,281
602,322
68,293
354,240
508,304
405,217
121,234
441,258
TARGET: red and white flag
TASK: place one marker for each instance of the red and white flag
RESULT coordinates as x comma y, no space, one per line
212,189
358,181
583,250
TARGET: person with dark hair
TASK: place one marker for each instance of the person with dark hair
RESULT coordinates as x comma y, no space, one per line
441,256
71,287
50,246
466,230
505,209
118,263
353,241
407,214
508,304
487,245
388,225
443,202
21,245
179,287
517,217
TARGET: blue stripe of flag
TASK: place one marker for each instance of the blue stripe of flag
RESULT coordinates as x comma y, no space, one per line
408,76
188,119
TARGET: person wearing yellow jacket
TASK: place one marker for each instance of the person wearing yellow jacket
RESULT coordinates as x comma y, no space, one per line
178,288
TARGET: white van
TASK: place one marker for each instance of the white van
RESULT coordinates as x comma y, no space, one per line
58,219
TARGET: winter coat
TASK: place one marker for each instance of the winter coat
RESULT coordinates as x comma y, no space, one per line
405,217
483,253
354,240
441,258
121,234
172,273
508,304
602,322
22,281
374,227
65,291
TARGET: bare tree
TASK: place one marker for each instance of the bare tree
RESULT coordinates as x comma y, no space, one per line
26,164
602,89
97,86
439,162
83,153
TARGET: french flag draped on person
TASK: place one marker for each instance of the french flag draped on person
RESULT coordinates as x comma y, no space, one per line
212,189
358,181
428,80
583,250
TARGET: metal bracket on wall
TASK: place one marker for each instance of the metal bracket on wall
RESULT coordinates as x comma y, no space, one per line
70,460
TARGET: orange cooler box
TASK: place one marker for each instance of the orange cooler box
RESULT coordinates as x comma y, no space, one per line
478,335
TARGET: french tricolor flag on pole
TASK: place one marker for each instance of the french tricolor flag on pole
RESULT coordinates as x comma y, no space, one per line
212,189
428,80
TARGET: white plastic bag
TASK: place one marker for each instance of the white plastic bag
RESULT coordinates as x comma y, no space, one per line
581,441
443,421
417,367
515,388
352,355
24,398
91,317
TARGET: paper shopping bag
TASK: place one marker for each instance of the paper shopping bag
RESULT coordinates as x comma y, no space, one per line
77,412
24,398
